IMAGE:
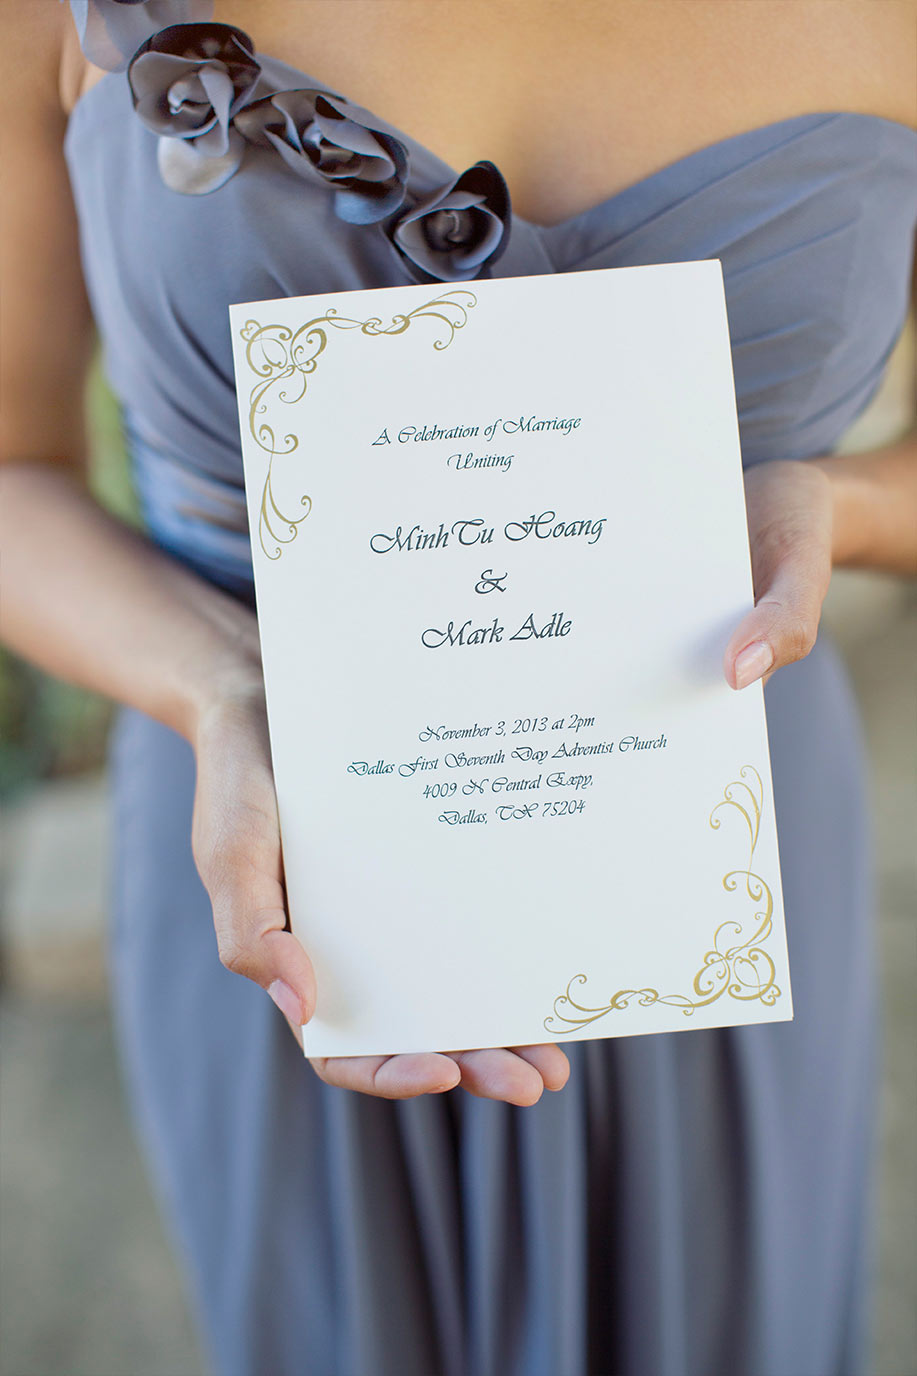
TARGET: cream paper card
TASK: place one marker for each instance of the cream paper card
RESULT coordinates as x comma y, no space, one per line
499,544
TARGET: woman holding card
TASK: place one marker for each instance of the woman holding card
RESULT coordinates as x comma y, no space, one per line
692,1204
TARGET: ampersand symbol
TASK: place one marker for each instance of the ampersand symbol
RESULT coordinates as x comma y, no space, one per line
490,582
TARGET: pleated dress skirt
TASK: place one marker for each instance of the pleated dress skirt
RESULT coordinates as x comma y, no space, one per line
690,1204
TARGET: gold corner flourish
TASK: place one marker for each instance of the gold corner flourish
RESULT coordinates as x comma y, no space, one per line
737,965
277,354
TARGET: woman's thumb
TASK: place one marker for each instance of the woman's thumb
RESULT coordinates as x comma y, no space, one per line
782,627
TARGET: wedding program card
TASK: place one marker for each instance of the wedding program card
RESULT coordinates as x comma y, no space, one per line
499,543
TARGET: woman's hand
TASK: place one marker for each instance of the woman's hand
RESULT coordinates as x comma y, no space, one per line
790,508
236,842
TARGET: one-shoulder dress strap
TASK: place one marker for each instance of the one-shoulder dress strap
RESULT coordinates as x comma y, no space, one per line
111,31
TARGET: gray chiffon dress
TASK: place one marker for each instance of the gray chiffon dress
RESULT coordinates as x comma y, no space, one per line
694,1204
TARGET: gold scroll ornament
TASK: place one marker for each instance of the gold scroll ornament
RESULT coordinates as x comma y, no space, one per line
277,354
737,965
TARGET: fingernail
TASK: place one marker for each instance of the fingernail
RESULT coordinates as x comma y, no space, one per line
754,661
286,1001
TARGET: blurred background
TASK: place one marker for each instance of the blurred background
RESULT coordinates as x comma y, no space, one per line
88,1285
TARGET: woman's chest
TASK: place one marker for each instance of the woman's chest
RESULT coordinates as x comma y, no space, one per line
811,215
574,102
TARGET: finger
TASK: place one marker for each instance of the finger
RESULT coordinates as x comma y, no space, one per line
550,1062
783,626
295,1027
390,1077
499,1074
253,941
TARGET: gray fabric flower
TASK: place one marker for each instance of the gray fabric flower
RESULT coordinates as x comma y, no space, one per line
452,235
187,83
319,134
111,31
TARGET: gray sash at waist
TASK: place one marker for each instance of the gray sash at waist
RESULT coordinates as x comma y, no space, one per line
198,518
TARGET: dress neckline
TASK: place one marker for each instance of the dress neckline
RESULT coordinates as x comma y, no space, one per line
803,123
573,222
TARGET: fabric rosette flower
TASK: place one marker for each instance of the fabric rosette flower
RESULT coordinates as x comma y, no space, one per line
317,133
187,83
453,234
111,31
